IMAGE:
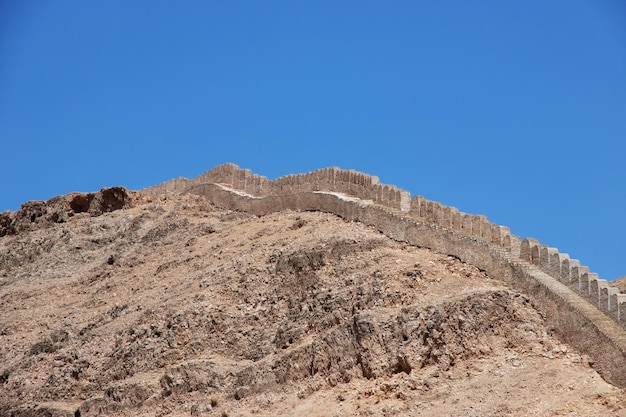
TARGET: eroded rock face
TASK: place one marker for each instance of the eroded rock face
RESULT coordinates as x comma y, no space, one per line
363,345
6,223
108,200
33,215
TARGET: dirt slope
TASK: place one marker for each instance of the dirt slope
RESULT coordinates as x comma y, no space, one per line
176,307
620,283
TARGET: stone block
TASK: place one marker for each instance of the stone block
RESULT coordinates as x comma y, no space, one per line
475,226
389,195
485,228
240,180
394,198
446,221
405,200
566,270
516,245
367,182
345,176
544,257
535,255
356,187
314,180
578,272
455,218
427,212
384,195
466,224
620,302
585,284
595,291
478,226
324,179
380,194
253,186
527,248
331,178
353,178
317,179
614,310
607,297
362,188
437,213
556,263
496,234
606,292
416,206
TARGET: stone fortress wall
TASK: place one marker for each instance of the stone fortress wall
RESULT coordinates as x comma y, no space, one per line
333,179
584,309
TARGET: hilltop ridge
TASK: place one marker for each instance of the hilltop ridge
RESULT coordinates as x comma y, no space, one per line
326,293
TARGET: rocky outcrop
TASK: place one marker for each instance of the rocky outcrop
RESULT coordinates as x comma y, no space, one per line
39,214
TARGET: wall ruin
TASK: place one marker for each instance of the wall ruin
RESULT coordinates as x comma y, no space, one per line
586,311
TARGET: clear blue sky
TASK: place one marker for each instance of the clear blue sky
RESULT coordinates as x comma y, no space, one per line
512,109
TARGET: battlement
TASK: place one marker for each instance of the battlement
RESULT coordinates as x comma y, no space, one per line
585,309
354,183
577,277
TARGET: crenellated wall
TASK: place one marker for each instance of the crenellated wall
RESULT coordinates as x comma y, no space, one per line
584,309
333,179
577,277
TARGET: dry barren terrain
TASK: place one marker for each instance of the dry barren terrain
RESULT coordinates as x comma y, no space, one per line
174,307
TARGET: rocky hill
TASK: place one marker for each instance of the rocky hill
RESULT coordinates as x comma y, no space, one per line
174,304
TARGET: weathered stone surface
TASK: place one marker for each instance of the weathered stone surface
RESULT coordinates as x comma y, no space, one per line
33,215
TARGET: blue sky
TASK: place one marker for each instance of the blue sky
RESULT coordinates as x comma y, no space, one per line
515,110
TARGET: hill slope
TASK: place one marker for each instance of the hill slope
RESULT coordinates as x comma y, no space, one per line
177,307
